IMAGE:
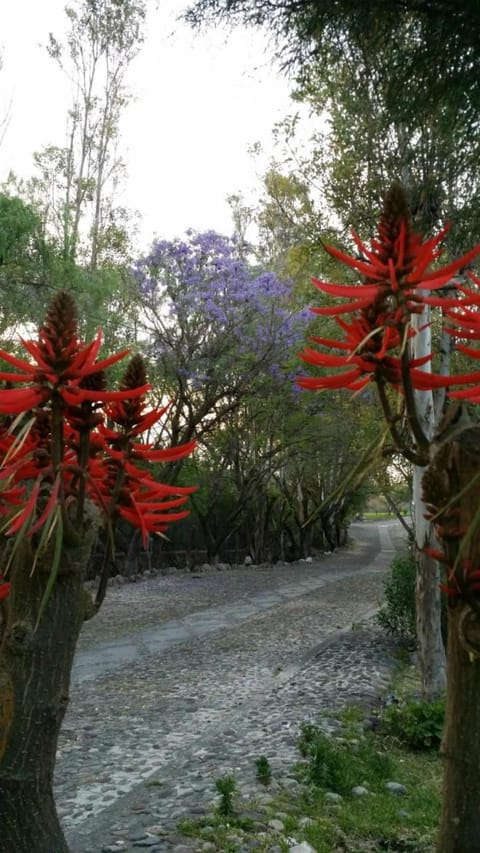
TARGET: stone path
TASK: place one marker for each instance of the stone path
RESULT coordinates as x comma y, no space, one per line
156,717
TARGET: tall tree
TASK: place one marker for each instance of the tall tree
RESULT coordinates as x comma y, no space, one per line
376,345
79,180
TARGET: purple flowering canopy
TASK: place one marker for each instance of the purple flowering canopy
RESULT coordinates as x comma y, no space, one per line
217,325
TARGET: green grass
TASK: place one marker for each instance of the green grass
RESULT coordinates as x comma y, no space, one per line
376,823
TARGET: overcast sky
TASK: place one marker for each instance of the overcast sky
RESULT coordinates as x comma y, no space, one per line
201,101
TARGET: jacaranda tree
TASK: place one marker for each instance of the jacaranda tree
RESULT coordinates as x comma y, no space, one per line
220,330
375,346
71,459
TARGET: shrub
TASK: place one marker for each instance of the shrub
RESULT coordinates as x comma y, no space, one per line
418,725
397,616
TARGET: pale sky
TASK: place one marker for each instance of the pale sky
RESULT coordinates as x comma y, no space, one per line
201,101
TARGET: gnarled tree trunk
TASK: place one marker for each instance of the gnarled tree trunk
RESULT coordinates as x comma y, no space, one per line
35,666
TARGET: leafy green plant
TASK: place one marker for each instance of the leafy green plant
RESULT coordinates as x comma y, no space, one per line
397,616
340,765
264,770
226,787
418,725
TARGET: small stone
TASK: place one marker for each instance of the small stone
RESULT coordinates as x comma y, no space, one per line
304,847
276,825
332,797
360,791
138,806
305,821
396,788
157,829
247,561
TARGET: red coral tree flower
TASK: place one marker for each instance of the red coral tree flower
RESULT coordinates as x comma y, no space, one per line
56,450
397,283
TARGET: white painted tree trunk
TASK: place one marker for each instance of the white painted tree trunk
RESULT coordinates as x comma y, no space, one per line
431,652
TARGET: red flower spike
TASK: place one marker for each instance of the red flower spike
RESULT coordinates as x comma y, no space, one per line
395,272
65,376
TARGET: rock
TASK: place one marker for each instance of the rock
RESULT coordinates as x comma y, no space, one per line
360,791
306,821
304,847
247,561
332,797
157,829
396,788
309,560
276,825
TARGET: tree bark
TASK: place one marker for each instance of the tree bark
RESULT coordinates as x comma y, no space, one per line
430,649
452,490
35,666
460,824
431,653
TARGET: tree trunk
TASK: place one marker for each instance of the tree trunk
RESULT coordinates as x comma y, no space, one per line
452,490
460,825
431,653
35,666
430,649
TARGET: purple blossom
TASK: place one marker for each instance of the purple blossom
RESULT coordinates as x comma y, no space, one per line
214,312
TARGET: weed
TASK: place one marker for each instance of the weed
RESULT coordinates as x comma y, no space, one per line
264,770
226,787
418,725
340,766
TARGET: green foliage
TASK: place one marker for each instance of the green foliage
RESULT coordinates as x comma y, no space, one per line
397,616
340,766
418,725
264,770
226,787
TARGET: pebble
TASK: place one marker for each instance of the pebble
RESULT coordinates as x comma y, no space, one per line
360,791
396,788
333,797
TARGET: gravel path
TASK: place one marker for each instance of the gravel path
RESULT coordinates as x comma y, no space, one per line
142,744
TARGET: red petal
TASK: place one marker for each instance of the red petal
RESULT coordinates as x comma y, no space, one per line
369,270
324,359
362,291
452,268
16,400
168,454
318,383
17,362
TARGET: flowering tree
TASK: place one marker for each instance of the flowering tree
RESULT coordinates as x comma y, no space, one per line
377,345
219,329
71,459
